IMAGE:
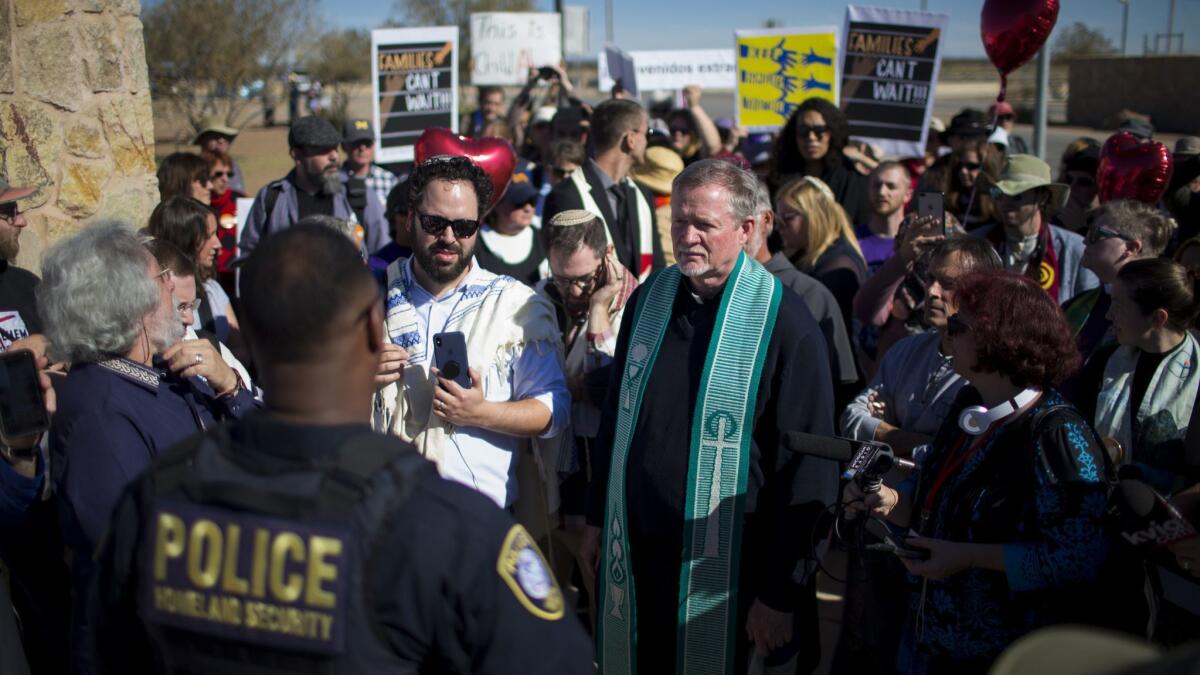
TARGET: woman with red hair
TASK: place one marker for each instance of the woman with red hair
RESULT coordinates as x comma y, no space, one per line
1007,506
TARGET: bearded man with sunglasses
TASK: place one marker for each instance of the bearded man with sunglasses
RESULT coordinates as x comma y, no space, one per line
475,435
1027,242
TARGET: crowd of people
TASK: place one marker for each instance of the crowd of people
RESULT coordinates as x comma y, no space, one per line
408,423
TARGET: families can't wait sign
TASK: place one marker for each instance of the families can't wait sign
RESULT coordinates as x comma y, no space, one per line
779,68
892,59
415,78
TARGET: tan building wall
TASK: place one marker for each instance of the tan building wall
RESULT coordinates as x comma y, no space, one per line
1162,87
75,116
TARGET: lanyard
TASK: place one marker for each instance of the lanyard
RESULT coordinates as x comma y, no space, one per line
954,462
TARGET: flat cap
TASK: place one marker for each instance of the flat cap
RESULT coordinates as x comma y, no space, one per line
313,132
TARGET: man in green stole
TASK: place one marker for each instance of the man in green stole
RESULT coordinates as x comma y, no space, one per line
699,516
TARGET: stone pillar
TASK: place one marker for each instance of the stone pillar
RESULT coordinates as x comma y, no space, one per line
75,115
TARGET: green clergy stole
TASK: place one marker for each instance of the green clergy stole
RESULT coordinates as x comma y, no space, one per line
722,425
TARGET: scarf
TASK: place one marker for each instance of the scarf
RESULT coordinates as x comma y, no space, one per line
718,470
1166,408
500,317
1042,266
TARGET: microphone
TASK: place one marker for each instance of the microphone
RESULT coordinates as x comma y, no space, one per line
1147,519
838,449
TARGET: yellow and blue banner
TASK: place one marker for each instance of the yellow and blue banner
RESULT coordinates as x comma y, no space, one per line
779,68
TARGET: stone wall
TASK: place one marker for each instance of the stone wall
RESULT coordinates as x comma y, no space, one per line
1161,87
75,116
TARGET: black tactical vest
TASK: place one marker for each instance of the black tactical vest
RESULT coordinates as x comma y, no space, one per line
247,566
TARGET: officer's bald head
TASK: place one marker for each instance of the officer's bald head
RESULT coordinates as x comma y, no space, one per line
302,289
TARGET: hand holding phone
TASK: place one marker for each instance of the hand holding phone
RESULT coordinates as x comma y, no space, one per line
450,357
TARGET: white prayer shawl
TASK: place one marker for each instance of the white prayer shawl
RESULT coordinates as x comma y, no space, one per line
500,318
1172,389
644,215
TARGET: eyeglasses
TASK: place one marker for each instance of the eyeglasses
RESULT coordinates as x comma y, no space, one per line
220,174
970,166
165,275
436,225
582,283
192,306
803,130
1096,234
956,325
1006,118
9,212
683,131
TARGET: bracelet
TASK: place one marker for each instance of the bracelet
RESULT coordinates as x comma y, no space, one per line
237,386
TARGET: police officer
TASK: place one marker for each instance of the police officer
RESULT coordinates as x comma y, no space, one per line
313,186
299,541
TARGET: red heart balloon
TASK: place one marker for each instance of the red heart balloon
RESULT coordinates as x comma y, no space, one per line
494,155
1014,30
1130,169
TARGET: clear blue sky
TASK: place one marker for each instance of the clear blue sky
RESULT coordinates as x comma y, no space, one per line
682,24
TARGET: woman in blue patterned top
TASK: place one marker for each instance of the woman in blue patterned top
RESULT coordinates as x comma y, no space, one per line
1010,497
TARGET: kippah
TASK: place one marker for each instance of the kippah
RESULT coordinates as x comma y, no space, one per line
572,217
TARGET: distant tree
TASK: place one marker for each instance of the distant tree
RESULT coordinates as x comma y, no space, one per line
1080,39
772,23
458,13
201,54
339,59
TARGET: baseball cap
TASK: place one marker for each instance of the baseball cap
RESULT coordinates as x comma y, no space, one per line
312,132
1187,146
520,190
1138,127
357,130
1000,108
9,194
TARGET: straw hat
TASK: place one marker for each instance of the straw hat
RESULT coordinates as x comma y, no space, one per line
659,169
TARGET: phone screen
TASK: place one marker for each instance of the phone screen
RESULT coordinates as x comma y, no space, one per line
22,404
932,204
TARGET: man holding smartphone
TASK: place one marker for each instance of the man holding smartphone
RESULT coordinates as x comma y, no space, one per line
517,390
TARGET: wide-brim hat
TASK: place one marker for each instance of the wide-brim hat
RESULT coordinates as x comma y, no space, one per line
1075,650
211,126
1022,173
9,193
659,170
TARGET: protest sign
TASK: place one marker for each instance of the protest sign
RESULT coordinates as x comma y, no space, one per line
620,67
779,68
676,69
415,78
892,58
505,45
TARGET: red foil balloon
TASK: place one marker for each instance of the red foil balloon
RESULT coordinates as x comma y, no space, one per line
1013,31
1130,169
494,155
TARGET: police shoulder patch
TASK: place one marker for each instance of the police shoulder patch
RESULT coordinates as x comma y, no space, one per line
526,573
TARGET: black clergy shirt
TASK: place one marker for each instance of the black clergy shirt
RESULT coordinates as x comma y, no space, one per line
784,492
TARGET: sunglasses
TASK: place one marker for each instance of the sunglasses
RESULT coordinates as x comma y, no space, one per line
1097,234
436,225
956,325
970,166
1023,197
683,131
220,174
803,130
562,173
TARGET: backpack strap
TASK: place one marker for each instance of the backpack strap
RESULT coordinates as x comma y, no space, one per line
273,192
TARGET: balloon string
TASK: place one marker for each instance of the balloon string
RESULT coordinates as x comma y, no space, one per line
1003,87
975,185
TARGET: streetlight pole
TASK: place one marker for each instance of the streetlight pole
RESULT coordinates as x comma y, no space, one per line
1124,25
